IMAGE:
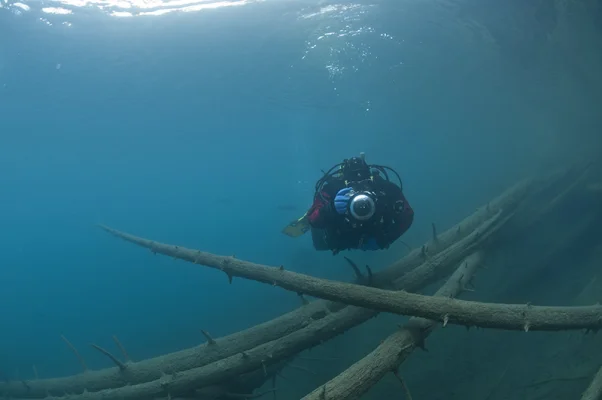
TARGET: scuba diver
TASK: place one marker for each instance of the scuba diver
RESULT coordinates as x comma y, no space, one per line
356,206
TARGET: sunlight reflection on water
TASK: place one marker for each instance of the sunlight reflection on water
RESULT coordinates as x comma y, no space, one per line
336,33
337,38
123,8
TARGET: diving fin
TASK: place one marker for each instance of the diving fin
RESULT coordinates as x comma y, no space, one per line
297,227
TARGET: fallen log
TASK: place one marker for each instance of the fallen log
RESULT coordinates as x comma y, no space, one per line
501,316
388,356
594,390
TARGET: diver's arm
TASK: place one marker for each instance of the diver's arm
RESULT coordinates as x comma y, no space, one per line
321,213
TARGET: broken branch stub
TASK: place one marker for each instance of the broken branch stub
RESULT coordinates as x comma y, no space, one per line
116,361
79,357
126,356
210,339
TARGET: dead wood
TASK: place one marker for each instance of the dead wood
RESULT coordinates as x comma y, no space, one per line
594,390
394,350
501,316
79,357
115,360
122,349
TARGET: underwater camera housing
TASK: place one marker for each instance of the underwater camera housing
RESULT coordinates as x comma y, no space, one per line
362,206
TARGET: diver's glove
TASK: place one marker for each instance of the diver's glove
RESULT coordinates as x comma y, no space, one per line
370,244
341,201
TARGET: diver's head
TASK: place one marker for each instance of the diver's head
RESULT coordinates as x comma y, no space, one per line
355,169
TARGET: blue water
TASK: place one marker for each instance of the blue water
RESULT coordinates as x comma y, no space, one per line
206,125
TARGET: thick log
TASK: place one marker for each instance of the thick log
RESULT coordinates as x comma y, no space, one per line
594,390
388,356
501,316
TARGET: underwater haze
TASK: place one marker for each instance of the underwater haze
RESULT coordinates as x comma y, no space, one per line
206,124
